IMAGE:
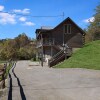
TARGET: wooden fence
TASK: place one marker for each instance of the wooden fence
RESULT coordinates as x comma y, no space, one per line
3,76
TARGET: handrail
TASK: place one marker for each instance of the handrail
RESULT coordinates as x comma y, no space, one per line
59,55
61,51
55,61
56,55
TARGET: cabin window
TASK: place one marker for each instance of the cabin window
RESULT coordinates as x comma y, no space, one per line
67,29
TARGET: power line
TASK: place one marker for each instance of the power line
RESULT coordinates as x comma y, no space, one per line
32,15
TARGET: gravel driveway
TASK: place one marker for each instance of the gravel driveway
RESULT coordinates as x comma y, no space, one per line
29,81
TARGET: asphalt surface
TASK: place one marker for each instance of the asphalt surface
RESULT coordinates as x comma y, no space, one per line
29,81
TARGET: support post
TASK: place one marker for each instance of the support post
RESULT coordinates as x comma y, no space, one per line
51,51
63,34
42,54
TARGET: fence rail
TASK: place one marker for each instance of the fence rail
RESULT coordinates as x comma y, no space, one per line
2,75
4,72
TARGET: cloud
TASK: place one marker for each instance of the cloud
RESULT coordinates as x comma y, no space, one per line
1,8
6,18
22,19
89,20
29,24
24,11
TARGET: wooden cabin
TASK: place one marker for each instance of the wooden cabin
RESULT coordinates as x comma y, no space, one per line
56,44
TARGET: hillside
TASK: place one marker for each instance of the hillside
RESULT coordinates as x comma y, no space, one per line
87,57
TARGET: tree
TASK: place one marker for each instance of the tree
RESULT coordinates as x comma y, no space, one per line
8,50
19,48
22,40
94,27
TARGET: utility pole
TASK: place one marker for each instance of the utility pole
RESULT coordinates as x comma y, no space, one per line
42,51
63,32
63,15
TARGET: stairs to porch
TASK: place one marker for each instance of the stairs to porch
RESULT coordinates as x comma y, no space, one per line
60,56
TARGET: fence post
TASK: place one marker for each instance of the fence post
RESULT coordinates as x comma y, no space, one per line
3,79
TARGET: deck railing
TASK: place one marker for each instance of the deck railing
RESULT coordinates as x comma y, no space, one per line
45,41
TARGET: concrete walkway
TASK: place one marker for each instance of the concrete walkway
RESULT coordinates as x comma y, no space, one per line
29,81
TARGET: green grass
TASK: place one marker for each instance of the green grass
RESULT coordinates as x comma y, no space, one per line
86,57
8,68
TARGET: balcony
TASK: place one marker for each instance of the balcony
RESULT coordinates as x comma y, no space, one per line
45,42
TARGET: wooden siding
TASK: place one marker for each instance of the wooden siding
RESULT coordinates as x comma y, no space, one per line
75,38
52,40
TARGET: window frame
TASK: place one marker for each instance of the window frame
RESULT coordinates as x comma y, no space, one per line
67,28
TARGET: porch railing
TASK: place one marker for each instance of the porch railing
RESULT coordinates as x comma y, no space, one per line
45,41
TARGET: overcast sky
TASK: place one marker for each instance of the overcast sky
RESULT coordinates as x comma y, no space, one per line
16,21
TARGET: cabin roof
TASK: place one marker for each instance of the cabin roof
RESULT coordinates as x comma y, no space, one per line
42,30
68,18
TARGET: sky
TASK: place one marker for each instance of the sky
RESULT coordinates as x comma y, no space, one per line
25,16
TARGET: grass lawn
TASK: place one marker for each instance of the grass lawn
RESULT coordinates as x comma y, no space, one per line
87,57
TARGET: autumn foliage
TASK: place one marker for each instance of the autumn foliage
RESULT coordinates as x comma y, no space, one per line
20,48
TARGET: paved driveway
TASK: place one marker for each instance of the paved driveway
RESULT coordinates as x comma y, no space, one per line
29,81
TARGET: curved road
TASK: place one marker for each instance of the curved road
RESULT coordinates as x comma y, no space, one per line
29,81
